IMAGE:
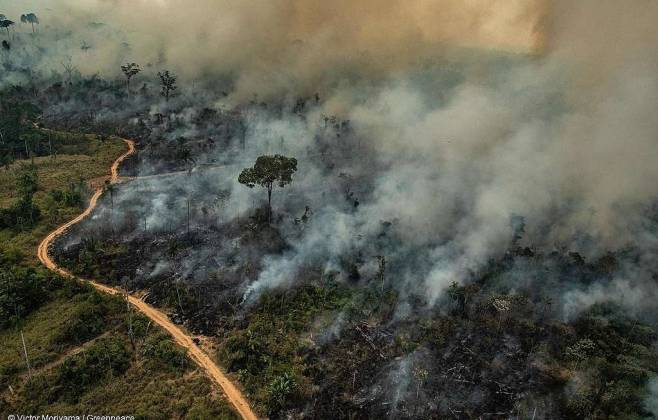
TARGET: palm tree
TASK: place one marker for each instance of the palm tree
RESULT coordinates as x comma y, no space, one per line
6,23
30,18
130,70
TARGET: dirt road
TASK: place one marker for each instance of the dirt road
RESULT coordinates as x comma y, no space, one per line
232,393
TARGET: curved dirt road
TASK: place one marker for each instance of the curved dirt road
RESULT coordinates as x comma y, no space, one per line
232,393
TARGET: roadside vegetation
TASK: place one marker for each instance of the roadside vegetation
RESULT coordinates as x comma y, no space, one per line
66,348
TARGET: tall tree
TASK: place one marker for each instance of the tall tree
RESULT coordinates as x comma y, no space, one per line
6,23
30,18
267,172
69,68
16,120
184,154
27,183
168,83
130,70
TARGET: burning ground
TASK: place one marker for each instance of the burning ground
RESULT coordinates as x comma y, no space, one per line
355,298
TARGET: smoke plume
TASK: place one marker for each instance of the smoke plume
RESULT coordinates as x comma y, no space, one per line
461,116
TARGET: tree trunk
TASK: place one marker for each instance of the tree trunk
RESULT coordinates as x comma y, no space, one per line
269,204
131,333
180,304
31,211
188,217
27,360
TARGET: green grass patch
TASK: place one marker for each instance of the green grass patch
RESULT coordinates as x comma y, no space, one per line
55,175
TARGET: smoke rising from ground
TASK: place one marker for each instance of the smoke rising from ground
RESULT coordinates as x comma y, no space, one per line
447,139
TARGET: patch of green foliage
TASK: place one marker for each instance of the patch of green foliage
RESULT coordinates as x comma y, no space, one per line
88,318
69,197
105,359
613,358
162,353
268,355
22,290
19,136
23,213
279,391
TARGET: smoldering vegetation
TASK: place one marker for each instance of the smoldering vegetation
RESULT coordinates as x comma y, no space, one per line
470,233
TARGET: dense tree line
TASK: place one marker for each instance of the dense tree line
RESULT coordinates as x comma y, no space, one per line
22,290
19,136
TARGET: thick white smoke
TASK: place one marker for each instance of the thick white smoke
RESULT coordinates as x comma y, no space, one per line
459,124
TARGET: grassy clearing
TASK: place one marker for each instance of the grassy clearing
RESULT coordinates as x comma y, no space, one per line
161,396
40,330
109,376
93,161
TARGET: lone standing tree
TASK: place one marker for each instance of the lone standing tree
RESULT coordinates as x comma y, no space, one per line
6,23
30,18
268,171
168,83
130,70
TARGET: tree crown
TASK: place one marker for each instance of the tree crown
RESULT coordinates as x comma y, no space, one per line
269,170
29,18
130,69
167,79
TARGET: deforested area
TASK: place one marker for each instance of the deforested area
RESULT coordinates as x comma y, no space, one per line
363,209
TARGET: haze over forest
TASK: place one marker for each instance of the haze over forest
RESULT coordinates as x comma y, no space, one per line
449,155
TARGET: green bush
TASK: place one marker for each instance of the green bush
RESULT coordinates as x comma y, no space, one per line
71,197
279,392
10,256
88,322
161,352
105,359
203,409
16,123
77,375
22,290
581,351
21,215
